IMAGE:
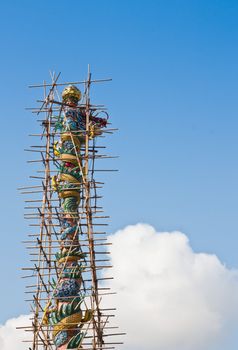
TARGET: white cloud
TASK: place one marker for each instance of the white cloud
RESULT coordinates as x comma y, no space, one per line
170,297
10,337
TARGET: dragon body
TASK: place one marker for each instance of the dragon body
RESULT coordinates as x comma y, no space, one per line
66,317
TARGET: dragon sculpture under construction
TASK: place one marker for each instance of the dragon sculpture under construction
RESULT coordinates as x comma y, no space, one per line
65,315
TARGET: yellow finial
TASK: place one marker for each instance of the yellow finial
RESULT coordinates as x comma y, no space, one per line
71,91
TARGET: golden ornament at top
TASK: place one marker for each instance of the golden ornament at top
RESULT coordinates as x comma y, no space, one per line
71,91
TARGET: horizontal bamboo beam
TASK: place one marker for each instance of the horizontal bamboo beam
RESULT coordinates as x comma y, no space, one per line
69,82
30,328
57,241
58,225
74,132
71,245
60,233
86,253
86,270
86,296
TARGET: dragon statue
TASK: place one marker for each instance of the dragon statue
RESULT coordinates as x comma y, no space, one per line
66,316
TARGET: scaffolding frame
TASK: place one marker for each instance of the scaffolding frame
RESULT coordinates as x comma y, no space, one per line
44,211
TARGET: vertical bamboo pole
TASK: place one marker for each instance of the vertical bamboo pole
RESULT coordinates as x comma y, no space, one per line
97,331
44,237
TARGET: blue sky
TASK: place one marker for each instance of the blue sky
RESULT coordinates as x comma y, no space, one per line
173,98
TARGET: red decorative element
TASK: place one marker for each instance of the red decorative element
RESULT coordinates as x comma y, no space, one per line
102,122
69,165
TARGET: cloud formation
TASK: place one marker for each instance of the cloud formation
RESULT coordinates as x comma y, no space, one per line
170,297
10,337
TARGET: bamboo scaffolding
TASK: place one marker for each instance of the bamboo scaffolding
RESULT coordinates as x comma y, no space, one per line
44,244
